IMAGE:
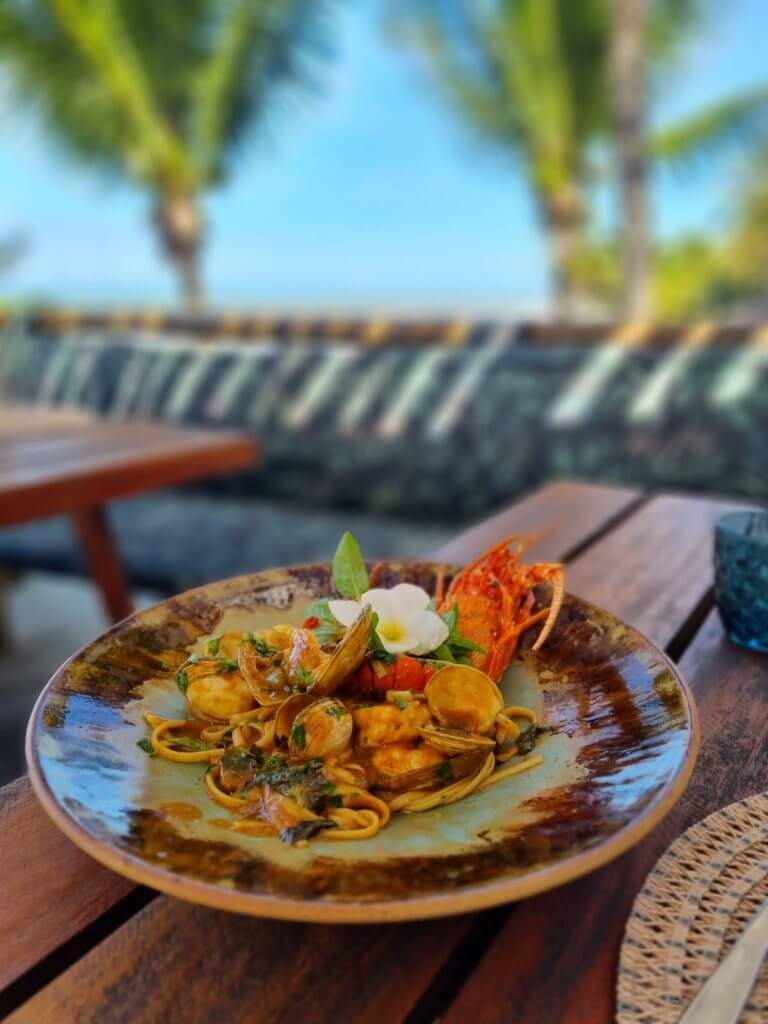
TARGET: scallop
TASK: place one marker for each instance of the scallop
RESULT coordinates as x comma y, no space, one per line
321,729
464,698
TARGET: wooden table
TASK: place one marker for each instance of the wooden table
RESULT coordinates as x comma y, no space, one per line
57,461
82,944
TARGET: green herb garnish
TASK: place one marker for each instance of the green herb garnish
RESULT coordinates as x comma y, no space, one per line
182,681
382,655
336,801
401,702
350,577
189,743
330,787
262,647
299,737
456,642
335,712
328,628
147,747
444,771
303,675
212,647
272,763
228,665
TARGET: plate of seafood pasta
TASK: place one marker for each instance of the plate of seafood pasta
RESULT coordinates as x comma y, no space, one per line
358,741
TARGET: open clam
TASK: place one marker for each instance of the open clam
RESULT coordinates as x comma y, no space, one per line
461,697
285,715
346,658
454,741
322,729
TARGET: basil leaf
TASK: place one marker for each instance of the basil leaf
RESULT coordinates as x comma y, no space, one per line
451,618
442,653
182,681
350,577
455,637
147,747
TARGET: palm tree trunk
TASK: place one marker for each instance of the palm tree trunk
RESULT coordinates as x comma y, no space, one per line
629,90
178,220
563,219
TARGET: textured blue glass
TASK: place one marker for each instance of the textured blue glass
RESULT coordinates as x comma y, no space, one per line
741,577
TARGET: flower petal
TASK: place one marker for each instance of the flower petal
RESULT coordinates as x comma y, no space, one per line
381,602
429,631
397,646
409,599
345,612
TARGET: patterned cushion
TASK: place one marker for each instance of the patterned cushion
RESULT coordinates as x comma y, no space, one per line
441,432
173,541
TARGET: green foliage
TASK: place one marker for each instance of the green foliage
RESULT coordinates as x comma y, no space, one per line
159,92
528,75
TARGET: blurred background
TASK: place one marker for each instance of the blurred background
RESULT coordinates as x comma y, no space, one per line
428,253
482,156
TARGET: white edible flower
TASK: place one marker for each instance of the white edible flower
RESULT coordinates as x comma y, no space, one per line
406,624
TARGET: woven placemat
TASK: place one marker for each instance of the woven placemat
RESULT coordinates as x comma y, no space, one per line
693,906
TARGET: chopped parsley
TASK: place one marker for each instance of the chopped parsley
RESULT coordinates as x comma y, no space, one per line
228,665
401,702
272,763
212,647
262,647
147,747
330,787
299,737
336,711
444,772
336,801
189,743
303,675
182,681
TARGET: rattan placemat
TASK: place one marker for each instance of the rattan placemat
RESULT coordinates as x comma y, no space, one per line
693,906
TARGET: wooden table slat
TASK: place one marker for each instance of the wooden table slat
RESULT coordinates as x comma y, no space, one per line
654,568
646,570
50,890
44,477
536,973
565,514
332,948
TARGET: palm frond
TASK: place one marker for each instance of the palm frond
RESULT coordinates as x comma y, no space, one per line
740,120
98,32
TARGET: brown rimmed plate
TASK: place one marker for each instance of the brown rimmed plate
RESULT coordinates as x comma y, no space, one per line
621,741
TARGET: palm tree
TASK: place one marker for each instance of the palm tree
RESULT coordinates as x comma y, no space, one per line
647,36
554,81
160,92
530,77
629,78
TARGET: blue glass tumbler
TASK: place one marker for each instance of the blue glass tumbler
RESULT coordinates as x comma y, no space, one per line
741,577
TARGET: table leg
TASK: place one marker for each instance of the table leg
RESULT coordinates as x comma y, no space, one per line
103,561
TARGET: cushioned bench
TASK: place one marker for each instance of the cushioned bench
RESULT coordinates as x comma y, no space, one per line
402,442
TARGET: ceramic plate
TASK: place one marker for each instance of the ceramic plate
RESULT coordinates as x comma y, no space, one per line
620,745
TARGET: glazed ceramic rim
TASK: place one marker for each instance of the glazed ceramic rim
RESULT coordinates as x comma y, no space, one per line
412,908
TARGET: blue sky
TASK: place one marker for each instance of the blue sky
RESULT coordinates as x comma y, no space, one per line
370,195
